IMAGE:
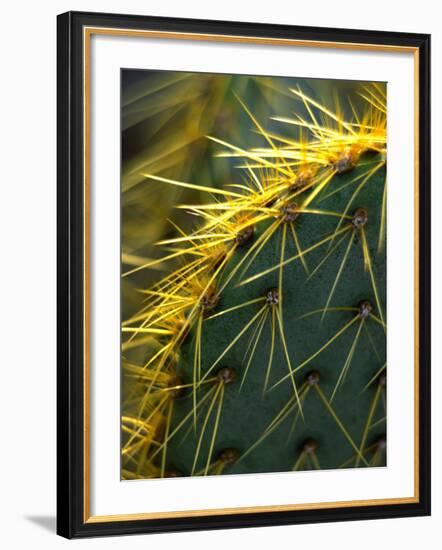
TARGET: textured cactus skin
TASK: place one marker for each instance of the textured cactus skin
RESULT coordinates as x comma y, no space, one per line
247,412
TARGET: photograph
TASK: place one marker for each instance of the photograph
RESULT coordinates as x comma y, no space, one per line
243,246
219,218
253,274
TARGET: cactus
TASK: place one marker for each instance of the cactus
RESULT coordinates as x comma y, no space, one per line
258,340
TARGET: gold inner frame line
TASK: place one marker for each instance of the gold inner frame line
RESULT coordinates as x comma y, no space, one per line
87,34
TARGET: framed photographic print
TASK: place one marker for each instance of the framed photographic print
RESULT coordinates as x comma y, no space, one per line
243,255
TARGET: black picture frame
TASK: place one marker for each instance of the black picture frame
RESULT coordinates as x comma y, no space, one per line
71,520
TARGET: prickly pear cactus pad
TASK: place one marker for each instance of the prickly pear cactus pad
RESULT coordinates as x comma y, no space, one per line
253,273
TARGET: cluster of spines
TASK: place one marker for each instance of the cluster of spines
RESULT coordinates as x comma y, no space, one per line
282,183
